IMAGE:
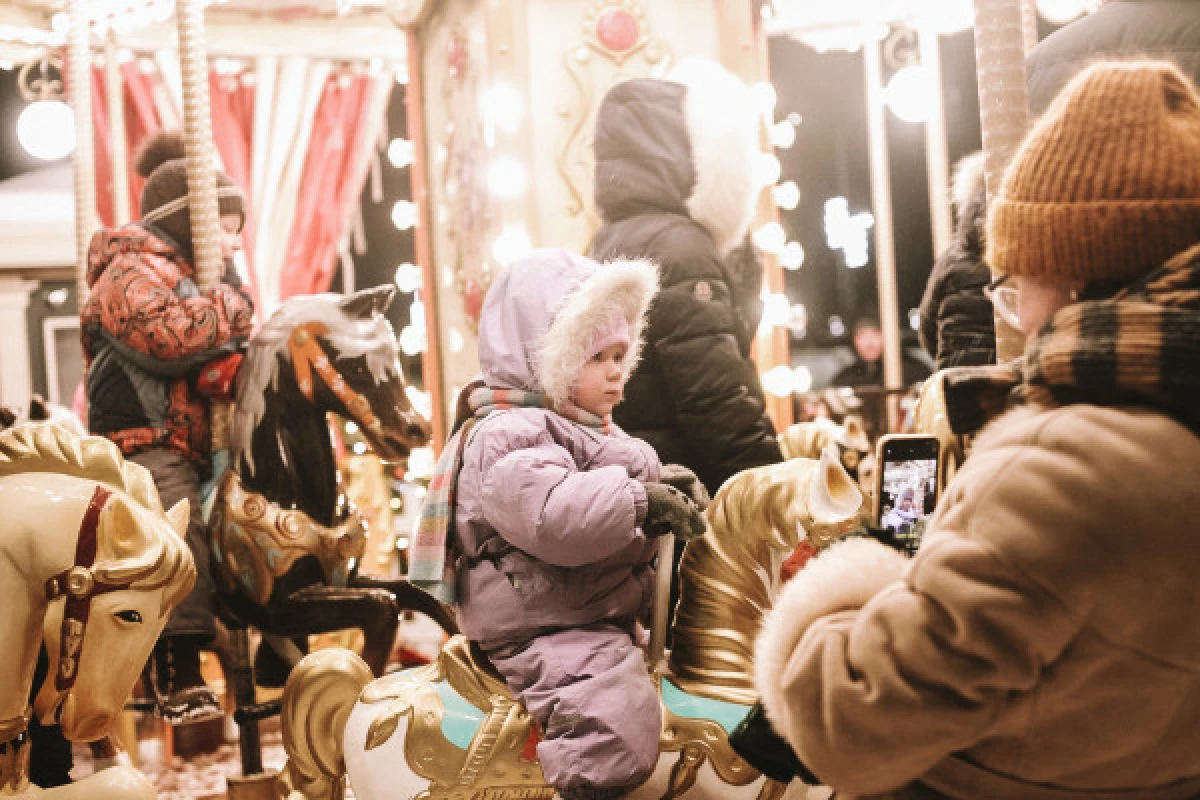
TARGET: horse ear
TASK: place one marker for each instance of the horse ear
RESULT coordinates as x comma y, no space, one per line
368,302
178,517
832,495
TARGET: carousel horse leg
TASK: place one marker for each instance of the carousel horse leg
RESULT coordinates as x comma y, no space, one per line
410,598
322,609
241,677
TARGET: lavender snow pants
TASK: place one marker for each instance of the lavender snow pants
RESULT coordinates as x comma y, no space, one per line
589,690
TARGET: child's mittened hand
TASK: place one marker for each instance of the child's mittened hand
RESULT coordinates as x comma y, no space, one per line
685,481
669,510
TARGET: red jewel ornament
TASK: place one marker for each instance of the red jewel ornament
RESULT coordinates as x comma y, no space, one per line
617,30
473,300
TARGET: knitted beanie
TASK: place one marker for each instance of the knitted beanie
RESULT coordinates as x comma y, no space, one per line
161,161
613,329
1106,187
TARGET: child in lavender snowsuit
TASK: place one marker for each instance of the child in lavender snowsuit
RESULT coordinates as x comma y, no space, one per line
552,512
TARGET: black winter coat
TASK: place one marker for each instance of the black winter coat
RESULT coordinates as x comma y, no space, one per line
696,396
957,325
1143,29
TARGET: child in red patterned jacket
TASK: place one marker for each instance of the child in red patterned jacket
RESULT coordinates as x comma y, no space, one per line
147,331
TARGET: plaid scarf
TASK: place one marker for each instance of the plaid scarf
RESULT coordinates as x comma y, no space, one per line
428,566
1140,347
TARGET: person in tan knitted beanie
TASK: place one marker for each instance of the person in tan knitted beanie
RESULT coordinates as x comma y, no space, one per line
1105,188
1041,643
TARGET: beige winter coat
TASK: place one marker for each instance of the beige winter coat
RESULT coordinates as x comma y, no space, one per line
1044,642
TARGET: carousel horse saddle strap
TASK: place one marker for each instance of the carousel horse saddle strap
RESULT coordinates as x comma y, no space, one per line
79,585
256,541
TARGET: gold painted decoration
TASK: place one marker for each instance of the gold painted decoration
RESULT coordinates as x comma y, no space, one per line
729,578
616,43
14,755
256,542
930,417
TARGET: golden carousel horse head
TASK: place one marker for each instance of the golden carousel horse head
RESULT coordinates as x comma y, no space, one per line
92,567
451,730
930,417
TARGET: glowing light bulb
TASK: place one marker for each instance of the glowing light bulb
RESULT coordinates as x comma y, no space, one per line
512,243
405,215
507,178
46,129
1060,12
408,278
770,238
792,256
763,96
783,134
779,381
767,169
802,379
503,106
786,195
777,310
421,462
412,340
401,153
910,93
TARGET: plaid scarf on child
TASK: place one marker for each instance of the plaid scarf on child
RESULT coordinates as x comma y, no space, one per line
1140,347
428,565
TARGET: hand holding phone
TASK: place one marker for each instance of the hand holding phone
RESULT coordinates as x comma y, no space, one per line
906,489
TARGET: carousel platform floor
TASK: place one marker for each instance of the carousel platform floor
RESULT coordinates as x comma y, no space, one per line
199,777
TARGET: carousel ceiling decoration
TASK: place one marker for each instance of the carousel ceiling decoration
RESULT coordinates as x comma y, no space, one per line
364,28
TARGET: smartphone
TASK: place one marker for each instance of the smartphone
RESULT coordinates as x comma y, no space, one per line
906,488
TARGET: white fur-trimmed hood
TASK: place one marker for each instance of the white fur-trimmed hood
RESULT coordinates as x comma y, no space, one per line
721,123
628,286
843,577
542,311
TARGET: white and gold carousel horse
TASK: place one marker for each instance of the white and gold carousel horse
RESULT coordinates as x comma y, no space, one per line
90,569
451,731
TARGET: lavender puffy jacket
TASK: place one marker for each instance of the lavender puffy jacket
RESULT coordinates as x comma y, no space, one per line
548,511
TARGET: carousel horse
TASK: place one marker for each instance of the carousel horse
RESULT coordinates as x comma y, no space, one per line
451,730
285,545
91,568
930,417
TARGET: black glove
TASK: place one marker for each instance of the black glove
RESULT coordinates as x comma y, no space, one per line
669,510
757,742
685,481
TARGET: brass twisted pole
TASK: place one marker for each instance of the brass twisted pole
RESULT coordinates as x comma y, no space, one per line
79,87
197,126
201,177
1000,40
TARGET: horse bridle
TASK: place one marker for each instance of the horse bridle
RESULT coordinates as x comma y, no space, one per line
309,357
79,584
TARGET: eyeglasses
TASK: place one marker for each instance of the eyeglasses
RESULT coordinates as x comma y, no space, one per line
1004,300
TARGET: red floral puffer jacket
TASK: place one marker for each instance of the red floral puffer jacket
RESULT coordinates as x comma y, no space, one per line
146,330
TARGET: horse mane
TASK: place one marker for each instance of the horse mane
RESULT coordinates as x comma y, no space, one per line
730,576
129,552
40,447
351,336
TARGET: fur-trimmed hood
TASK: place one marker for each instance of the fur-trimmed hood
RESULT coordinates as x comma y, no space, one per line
541,312
686,145
969,194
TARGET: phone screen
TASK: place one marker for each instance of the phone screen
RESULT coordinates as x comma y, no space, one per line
908,488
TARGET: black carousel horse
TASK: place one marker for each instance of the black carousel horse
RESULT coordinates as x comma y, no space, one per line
285,543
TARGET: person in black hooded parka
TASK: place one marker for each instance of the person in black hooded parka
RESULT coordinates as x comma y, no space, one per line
675,185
